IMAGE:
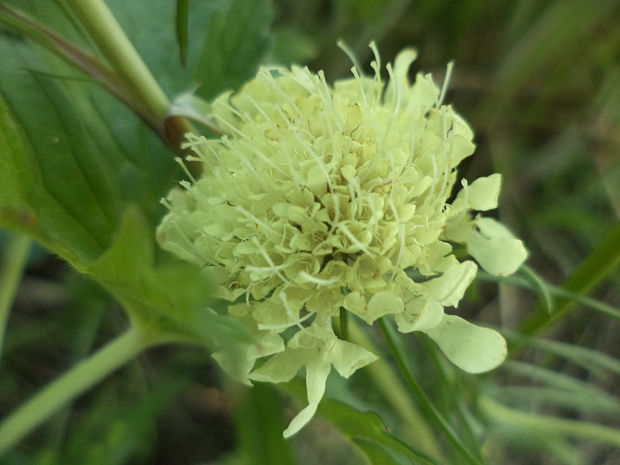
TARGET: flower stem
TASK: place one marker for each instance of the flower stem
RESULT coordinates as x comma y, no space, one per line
70,385
115,45
16,255
387,381
423,400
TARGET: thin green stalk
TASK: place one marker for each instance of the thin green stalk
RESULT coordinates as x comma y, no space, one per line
386,380
545,300
425,404
557,291
70,385
115,45
452,398
604,259
13,265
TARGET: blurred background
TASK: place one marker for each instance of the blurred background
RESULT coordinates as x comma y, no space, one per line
539,82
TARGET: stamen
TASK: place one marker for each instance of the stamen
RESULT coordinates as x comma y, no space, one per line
349,53
181,163
446,82
285,325
268,258
315,280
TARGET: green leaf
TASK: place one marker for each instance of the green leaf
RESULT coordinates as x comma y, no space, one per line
364,429
73,159
58,172
72,155
375,453
226,40
172,296
15,178
13,262
32,30
237,38
82,156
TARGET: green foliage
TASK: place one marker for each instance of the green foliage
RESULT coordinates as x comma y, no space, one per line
57,172
182,32
78,185
171,296
82,174
236,38
74,166
366,430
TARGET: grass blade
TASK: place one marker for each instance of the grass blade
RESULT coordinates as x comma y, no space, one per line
593,269
572,428
545,300
181,29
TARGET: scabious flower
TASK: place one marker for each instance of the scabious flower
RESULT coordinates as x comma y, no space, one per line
321,198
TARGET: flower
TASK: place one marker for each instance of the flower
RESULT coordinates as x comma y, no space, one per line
318,198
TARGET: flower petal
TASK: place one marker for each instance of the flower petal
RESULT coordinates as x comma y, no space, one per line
482,194
316,377
496,249
348,358
419,315
470,347
383,303
238,360
399,84
449,288
280,368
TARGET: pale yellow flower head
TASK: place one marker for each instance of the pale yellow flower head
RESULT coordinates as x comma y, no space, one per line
321,197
